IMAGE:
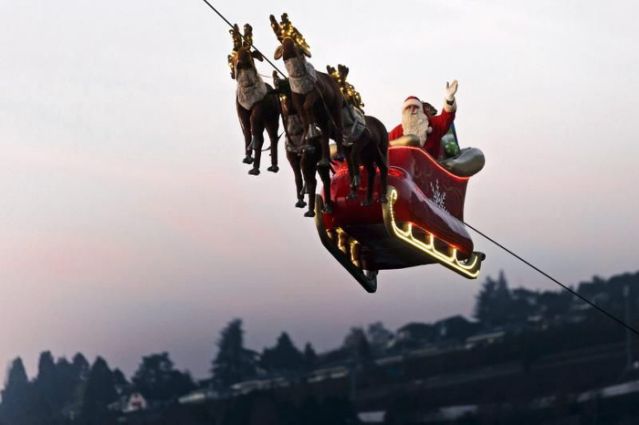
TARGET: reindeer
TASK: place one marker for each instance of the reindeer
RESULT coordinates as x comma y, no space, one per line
365,139
371,148
314,94
257,105
294,130
303,155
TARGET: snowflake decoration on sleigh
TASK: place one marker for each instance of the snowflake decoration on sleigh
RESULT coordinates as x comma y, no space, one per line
439,197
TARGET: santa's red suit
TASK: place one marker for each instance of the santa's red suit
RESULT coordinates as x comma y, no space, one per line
438,126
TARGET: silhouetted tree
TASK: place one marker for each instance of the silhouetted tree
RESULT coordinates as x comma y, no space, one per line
16,394
22,403
68,384
99,393
46,382
310,356
120,382
233,362
158,380
356,344
378,336
283,357
493,306
73,379
81,366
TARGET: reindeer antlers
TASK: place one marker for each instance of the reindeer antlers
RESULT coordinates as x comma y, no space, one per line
237,44
286,29
248,36
351,95
276,28
237,37
240,41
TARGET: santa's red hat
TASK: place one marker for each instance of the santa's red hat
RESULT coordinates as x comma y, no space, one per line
411,101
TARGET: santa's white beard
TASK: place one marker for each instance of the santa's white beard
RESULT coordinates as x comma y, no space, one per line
416,124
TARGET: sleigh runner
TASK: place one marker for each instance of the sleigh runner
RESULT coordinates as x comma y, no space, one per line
422,222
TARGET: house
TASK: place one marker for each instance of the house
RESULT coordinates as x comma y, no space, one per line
455,328
128,403
413,334
484,338
135,402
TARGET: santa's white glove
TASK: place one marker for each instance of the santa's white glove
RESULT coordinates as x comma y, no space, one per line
451,89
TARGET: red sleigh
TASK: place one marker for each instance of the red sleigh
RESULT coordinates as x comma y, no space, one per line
422,222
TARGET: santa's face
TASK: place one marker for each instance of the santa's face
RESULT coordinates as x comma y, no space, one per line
413,109
415,121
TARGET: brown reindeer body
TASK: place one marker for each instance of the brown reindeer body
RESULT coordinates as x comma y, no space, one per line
256,103
315,95
262,115
371,151
368,147
320,103
302,153
310,165
294,129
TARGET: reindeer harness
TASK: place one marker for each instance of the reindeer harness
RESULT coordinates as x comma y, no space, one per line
294,134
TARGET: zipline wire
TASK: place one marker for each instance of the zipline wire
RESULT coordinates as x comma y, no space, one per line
253,45
529,264
567,288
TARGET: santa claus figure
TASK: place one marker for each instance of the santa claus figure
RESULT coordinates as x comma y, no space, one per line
421,127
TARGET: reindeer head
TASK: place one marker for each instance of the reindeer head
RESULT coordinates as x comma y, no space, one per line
292,42
242,57
351,95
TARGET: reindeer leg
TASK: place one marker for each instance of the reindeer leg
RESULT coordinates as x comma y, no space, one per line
310,101
257,128
339,132
382,164
295,160
324,173
370,168
383,174
245,123
325,161
308,165
271,129
353,166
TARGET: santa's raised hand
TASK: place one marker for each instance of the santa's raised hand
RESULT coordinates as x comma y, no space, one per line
451,89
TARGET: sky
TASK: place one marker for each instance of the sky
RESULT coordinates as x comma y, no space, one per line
130,226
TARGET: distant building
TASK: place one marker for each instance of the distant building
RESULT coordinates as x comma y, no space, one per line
484,338
135,402
455,328
128,403
415,332
199,396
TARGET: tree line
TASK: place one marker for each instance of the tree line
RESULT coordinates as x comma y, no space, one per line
65,391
